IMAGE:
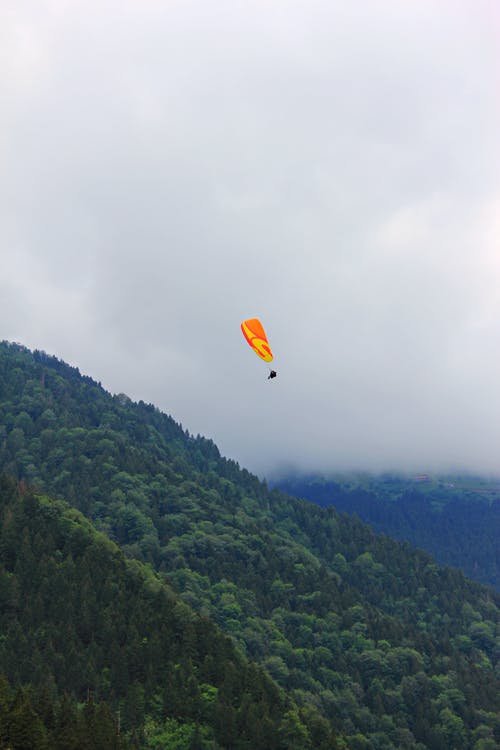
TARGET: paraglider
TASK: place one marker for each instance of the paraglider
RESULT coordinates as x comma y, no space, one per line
253,331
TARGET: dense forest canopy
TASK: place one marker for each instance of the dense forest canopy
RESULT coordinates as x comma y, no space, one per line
77,618
33,719
360,631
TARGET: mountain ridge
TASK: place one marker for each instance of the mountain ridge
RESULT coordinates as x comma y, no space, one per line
349,623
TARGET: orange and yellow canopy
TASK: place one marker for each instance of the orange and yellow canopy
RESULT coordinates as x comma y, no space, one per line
253,331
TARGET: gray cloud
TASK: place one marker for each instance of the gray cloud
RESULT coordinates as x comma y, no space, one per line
333,167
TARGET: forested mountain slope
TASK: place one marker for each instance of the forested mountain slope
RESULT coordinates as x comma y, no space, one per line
455,519
393,650
78,618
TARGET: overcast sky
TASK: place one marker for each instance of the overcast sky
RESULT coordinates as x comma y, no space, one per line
169,168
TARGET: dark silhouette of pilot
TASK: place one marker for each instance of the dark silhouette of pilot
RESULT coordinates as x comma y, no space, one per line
272,374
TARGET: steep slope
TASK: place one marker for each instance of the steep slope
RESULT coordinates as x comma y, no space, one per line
78,618
396,652
455,519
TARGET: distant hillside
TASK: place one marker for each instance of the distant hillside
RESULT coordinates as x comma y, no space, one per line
361,631
457,519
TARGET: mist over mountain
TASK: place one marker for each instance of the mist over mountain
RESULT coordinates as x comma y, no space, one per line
332,167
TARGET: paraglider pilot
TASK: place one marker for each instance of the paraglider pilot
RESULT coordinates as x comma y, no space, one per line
255,335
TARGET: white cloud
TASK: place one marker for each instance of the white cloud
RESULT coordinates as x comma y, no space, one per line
171,168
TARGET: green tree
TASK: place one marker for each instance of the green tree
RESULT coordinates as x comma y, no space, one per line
26,731
293,733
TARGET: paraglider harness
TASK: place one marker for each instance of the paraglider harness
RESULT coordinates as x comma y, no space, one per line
272,374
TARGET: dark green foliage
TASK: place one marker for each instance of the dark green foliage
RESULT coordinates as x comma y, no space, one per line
30,720
368,637
455,519
96,624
